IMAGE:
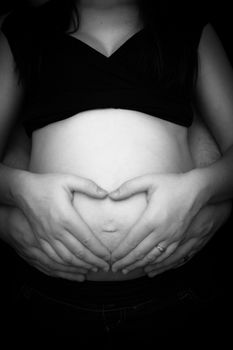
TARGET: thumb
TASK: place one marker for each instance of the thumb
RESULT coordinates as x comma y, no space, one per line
86,186
131,187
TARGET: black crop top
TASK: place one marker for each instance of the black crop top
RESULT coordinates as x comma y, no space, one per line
72,77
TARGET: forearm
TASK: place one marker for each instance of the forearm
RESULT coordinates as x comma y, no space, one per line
206,153
10,180
14,164
217,179
17,154
203,148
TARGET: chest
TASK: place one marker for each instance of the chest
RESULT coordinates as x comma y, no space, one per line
69,62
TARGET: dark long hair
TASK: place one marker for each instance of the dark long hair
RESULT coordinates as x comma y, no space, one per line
59,14
63,12
65,15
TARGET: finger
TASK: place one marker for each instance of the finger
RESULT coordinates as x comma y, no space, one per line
69,258
71,276
131,187
169,250
141,229
64,275
174,258
62,256
53,271
80,230
161,269
82,253
48,249
41,259
152,256
137,255
157,272
86,186
170,262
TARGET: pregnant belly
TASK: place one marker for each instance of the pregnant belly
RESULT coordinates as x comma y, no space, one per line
110,146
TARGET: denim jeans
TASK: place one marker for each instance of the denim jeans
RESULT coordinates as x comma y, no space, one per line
186,302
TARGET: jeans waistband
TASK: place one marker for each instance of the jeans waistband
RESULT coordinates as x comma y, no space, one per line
105,291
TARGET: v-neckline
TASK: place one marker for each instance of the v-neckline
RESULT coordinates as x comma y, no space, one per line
115,52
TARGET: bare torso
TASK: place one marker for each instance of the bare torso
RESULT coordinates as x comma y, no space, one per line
111,146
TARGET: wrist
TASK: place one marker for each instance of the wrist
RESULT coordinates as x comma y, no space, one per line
200,183
18,185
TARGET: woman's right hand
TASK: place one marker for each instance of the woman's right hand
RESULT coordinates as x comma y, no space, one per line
18,234
46,201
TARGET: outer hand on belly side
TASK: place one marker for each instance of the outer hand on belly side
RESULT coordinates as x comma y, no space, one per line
203,227
20,237
173,202
46,201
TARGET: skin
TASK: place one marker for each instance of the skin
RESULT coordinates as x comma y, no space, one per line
148,184
209,219
18,234
209,184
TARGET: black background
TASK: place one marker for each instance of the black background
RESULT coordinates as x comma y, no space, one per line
219,14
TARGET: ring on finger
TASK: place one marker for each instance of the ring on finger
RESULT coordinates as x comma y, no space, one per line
160,248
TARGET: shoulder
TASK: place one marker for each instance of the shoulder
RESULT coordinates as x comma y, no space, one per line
213,57
6,57
214,88
210,39
16,21
26,24
24,31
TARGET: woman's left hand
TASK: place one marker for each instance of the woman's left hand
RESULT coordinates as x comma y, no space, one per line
203,227
173,201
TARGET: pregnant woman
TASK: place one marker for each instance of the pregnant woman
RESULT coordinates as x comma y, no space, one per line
108,104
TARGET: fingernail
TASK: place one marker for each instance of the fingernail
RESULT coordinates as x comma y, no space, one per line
152,274
81,279
101,191
94,269
115,193
114,269
125,271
